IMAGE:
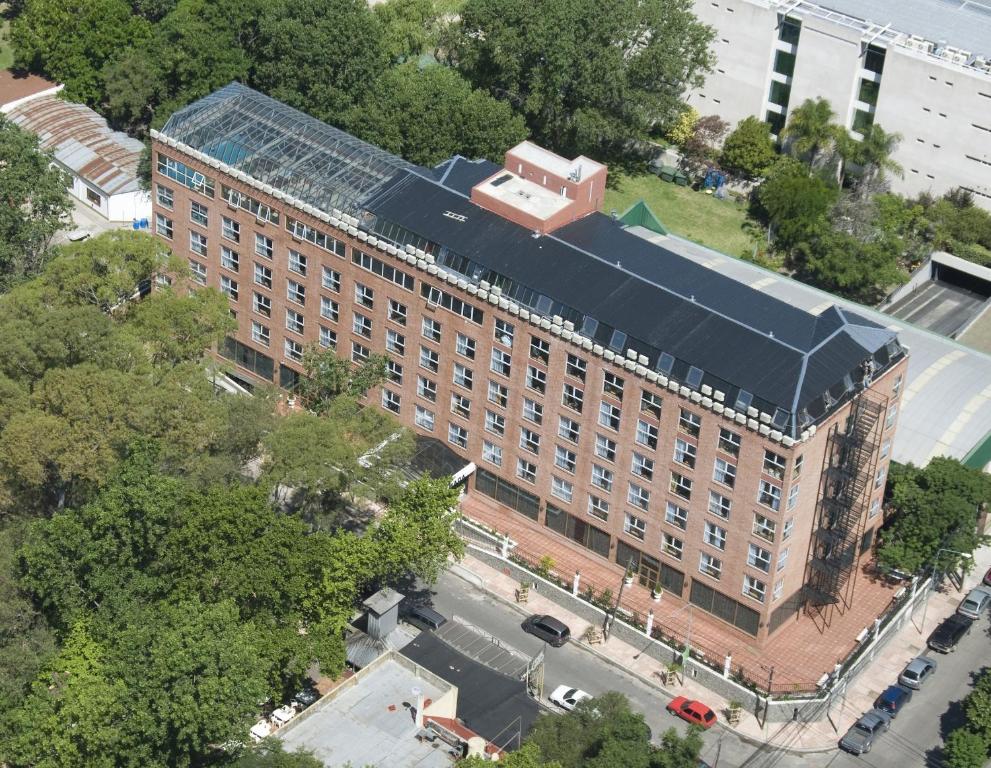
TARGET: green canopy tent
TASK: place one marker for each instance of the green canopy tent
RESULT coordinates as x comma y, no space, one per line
640,215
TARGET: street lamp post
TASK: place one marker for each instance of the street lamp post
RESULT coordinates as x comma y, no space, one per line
932,581
610,617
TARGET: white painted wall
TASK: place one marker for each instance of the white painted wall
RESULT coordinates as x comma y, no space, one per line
130,206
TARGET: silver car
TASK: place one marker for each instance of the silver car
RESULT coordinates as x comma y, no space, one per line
974,604
917,672
863,733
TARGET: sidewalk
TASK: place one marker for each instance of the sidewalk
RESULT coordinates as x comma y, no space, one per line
907,642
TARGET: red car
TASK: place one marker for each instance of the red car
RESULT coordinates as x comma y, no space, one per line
987,577
694,712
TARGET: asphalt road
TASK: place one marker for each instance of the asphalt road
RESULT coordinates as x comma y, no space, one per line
914,738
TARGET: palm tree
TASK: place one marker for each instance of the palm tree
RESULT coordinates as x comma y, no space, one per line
810,129
873,154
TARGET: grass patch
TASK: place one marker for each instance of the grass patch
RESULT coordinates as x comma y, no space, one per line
6,51
719,224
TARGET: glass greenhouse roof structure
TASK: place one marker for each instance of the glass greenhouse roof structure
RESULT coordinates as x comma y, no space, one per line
285,148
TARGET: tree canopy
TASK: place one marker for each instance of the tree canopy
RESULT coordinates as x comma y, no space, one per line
748,151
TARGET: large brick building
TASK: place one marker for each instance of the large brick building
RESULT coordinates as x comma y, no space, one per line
612,394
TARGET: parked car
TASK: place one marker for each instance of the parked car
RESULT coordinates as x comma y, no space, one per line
975,603
862,734
305,698
946,636
548,629
567,697
893,700
987,578
694,712
917,672
425,618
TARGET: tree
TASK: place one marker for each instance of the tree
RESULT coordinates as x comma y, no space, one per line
795,202
843,265
810,131
271,754
178,328
407,27
702,148
683,128
327,377
34,204
586,81
872,153
965,749
527,756
319,55
749,151
134,85
428,115
71,41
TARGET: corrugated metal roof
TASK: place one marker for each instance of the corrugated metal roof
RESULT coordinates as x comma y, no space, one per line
82,141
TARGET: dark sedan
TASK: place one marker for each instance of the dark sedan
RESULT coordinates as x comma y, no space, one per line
946,636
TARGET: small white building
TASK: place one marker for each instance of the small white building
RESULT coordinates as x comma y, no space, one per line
103,163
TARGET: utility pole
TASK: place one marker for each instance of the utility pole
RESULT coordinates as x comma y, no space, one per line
610,616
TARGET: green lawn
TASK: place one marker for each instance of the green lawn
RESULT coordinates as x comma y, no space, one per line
6,52
719,224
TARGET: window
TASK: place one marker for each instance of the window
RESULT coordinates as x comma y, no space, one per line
714,535
185,175
197,243
359,352
759,558
362,325
605,448
782,559
892,415
390,400
329,309
572,397
875,508
457,435
526,471
642,466
492,453
495,423
885,449
430,329
576,367
529,440
754,588
229,259
533,411
426,388
896,388
540,349
796,469
228,286
462,376
724,473
261,304
673,546
793,496
295,292
646,434
569,429
263,276
729,442
681,485
297,262
598,507
676,516
501,362
536,379
460,405
779,587
504,332
650,404
397,312
689,423
612,385
294,321
562,489
263,246
774,465
764,527
684,453
198,272
163,226
498,394
424,418
330,279
301,231
260,333
199,214
328,338
364,296
609,415
786,531
769,495
429,359
230,229
294,350
635,526
565,459
394,371
437,298
638,496
380,268
166,197
710,565
465,346
879,477
602,478
719,505
395,342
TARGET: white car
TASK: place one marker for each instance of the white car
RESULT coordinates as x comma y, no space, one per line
567,697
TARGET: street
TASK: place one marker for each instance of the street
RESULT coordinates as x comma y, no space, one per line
913,740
